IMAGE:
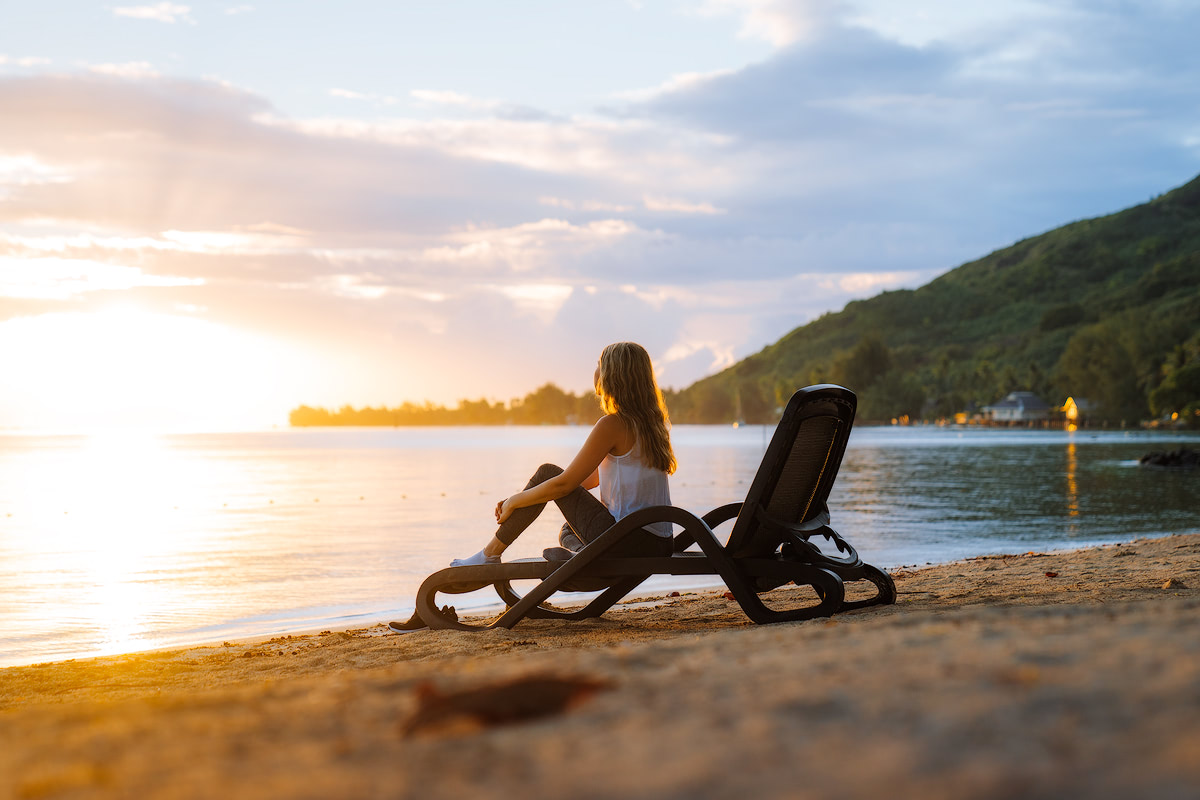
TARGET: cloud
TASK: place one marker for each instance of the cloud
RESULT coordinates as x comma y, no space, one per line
370,97
159,12
861,124
447,98
585,205
780,22
50,278
131,69
26,61
680,206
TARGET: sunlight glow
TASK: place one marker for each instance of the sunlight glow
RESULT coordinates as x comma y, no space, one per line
127,368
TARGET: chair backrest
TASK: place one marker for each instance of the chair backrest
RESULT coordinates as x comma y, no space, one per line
797,471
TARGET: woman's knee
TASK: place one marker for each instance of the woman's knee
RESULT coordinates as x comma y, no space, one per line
569,539
544,473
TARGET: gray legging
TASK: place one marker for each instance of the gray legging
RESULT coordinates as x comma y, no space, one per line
586,517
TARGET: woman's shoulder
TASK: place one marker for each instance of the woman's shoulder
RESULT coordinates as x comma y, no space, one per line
617,431
609,423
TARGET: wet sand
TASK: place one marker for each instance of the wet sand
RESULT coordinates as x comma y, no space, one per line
1065,674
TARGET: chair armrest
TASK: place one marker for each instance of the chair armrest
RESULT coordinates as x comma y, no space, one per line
712,519
722,514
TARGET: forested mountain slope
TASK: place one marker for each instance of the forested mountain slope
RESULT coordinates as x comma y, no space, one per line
1106,309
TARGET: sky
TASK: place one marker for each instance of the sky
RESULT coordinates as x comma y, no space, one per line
213,212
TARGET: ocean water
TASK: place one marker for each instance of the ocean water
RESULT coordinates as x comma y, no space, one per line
128,542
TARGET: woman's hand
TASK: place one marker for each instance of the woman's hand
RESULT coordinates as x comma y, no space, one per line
504,510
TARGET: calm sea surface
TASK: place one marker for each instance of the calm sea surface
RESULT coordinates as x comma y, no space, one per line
119,543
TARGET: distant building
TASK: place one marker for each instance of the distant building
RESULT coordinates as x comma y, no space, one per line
1018,407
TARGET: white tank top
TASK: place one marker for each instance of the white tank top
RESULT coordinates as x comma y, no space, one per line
627,484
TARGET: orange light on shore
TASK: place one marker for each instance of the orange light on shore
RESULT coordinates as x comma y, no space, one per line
1071,410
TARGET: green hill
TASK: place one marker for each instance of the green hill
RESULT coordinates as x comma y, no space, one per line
1106,309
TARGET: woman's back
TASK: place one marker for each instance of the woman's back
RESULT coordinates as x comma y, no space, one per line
628,484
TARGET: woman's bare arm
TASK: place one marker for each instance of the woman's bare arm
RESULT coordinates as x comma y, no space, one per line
607,434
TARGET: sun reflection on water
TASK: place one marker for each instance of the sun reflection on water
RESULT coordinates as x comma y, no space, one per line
108,530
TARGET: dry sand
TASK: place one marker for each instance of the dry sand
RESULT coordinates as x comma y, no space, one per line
1073,674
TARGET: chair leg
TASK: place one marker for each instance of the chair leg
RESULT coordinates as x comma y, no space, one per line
433,616
511,598
827,585
595,608
885,586
610,597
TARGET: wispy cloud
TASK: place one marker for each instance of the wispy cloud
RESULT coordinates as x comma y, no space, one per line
132,69
51,278
159,12
349,94
455,99
780,22
680,206
24,61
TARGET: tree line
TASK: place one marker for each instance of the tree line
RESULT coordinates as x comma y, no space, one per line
548,405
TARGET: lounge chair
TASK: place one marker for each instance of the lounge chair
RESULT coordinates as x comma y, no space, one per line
771,544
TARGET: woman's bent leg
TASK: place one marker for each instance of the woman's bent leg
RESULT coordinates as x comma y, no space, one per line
514,526
522,518
586,518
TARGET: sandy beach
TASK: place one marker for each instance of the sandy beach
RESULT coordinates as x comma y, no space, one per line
1065,674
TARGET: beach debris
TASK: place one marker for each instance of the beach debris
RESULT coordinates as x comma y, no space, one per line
673,594
1174,583
728,596
501,703
1021,676
1051,574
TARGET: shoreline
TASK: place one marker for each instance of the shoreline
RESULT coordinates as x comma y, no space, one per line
482,612
495,606
1064,673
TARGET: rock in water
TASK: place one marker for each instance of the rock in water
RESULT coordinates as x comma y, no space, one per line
1183,458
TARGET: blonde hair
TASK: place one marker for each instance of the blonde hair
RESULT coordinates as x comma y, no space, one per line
626,387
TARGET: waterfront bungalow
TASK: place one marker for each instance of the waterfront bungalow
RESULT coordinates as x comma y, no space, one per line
1018,407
